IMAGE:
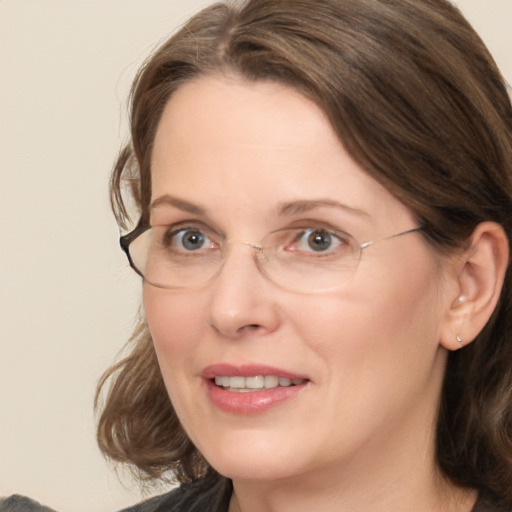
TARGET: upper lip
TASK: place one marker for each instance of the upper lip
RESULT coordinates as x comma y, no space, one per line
247,370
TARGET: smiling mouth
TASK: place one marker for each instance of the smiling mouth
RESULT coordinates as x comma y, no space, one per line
240,384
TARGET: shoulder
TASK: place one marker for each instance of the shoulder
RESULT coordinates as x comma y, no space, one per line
207,495
17,503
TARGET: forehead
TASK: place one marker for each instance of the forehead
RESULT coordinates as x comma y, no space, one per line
259,142
212,112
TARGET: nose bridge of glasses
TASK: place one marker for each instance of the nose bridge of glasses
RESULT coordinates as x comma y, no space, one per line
258,250
257,247
236,261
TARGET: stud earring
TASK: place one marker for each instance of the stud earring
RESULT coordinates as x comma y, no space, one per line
461,299
459,339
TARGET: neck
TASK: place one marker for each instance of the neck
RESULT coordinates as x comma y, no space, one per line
441,496
401,478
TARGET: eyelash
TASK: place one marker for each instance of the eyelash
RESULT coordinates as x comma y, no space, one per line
171,233
304,235
337,237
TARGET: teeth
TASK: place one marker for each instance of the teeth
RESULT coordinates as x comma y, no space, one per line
283,381
236,382
271,381
222,381
257,382
246,384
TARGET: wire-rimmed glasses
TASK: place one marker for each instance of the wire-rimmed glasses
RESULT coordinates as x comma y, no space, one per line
301,259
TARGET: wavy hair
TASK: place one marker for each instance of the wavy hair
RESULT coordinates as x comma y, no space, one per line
418,102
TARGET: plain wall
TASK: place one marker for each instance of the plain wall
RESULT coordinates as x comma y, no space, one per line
67,297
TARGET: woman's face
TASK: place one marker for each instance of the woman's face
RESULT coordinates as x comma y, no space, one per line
242,160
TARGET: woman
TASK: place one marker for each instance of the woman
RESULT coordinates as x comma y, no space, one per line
323,194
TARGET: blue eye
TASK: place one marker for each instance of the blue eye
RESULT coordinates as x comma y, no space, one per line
190,239
318,240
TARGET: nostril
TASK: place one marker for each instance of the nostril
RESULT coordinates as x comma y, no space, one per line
250,327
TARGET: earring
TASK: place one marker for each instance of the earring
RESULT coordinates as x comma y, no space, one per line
461,299
459,339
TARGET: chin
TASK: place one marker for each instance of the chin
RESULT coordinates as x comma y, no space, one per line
248,457
247,469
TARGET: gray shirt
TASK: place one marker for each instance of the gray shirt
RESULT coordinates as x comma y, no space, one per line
211,495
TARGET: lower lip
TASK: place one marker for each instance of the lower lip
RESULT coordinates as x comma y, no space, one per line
252,402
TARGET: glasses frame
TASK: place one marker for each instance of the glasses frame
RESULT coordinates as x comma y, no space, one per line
142,227
126,240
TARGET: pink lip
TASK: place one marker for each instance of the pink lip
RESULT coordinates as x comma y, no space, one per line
253,402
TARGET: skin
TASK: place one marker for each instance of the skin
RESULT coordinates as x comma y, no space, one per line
360,435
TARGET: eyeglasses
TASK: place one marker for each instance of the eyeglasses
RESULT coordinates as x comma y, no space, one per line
301,259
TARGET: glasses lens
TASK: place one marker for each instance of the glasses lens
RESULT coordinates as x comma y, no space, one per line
309,260
297,259
170,261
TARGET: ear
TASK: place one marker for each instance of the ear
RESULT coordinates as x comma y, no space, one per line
478,277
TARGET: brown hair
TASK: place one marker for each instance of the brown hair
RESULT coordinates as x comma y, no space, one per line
418,102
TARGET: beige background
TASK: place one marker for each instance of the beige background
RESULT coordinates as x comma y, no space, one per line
67,298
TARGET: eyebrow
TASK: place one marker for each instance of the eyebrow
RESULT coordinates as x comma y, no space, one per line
302,206
285,208
181,204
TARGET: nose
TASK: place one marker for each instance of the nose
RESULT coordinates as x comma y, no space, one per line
243,301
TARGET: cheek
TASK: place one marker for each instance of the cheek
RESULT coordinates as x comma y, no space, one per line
407,320
385,325
175,322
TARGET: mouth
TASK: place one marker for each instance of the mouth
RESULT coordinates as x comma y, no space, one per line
251,389
241,384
